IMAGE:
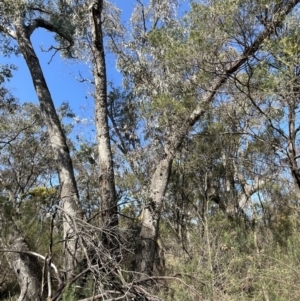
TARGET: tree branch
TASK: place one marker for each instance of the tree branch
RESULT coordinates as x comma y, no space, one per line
176,138
270,28
32,254
42,23
9,32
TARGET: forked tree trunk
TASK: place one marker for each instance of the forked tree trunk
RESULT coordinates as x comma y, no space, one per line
108,206
145,259
68,193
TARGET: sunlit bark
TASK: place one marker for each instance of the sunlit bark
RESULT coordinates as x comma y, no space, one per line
159,182
108,205
68,190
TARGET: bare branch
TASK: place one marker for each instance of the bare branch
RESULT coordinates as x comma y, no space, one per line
15,136
32,254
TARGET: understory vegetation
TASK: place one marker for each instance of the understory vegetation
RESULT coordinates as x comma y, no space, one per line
184,183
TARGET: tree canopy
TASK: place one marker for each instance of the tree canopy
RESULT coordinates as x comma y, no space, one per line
186,186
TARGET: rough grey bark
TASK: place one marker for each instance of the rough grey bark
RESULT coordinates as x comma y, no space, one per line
27,270
25,266
150,222
68,193
108,206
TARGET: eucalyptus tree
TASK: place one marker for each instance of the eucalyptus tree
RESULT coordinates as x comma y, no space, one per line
22,130
19,19
273,91
108,205
180,69
222,169
7,100
174,71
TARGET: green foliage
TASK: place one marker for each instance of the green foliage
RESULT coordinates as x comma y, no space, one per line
229,218
6,72
232,263
41,194
69,293
6,206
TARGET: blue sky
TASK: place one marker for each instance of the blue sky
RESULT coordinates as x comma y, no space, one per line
60,75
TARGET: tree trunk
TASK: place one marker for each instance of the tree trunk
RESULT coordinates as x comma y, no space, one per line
151,215
26,267
147,254
108,206
68,193
292,152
